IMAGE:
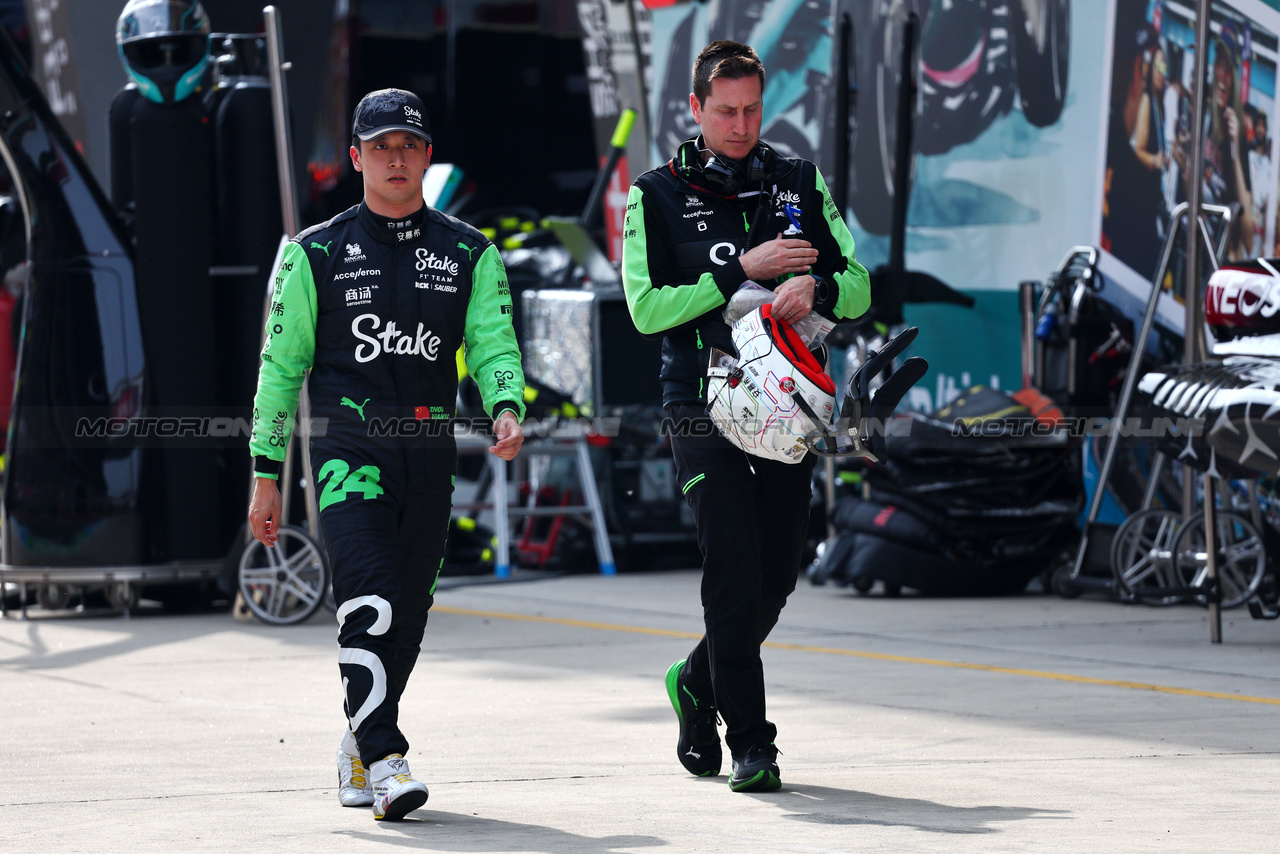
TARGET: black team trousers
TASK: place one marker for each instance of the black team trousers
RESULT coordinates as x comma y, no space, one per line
752,516
385,546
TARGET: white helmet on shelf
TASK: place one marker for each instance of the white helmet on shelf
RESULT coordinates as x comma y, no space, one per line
774,395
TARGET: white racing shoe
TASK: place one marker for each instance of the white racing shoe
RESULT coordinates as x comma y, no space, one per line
395,792
354,789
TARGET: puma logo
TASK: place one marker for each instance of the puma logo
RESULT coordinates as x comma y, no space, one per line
346,401
324,247
469,249
693,754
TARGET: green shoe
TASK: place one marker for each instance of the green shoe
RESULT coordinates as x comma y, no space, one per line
699,744
756,770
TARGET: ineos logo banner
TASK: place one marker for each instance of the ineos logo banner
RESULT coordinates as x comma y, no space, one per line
1242,299
723,248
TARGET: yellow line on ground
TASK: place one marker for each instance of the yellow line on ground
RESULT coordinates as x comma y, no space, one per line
875,656
581,624
1037,674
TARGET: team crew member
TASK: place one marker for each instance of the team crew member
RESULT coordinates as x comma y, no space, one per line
697,228
375,302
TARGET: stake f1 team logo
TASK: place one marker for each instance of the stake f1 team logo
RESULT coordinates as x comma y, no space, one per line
392,340
786,197
429,261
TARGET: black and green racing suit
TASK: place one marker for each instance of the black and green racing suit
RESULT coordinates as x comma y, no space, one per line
376,310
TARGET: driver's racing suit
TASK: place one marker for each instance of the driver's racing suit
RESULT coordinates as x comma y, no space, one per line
376,310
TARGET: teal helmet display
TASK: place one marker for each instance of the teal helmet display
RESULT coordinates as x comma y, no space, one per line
164,45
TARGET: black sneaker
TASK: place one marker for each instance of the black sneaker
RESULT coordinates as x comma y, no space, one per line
756,770
699,744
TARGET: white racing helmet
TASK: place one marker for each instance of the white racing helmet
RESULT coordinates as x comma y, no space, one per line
774,395
775,401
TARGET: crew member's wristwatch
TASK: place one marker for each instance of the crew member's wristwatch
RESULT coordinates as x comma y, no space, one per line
819,289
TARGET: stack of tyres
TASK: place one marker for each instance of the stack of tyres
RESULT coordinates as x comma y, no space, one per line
971,502
166,191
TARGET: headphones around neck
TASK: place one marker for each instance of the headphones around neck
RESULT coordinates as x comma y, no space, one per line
720,175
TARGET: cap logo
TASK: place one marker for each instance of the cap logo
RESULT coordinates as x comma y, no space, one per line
388,111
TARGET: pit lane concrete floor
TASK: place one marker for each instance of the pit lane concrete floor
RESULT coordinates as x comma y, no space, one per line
539,721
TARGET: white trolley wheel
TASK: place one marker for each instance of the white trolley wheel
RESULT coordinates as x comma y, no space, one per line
1142,555
1241,556
284,584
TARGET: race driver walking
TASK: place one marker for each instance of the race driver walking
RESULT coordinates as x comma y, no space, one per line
374,303
696,229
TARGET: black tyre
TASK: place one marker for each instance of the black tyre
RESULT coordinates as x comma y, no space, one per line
1041,59
673,123
880,42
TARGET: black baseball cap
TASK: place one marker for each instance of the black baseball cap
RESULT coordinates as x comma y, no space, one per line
387,110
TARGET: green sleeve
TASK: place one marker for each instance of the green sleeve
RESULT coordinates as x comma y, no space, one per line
648,275
286,356
489,342
853,282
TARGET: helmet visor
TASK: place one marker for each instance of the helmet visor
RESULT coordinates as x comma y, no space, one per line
177,52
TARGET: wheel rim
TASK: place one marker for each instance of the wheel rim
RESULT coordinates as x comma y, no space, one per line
1241,557
1142,556
286,583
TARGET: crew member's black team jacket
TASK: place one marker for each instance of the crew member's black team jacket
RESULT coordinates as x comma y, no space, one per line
377,310
680,258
